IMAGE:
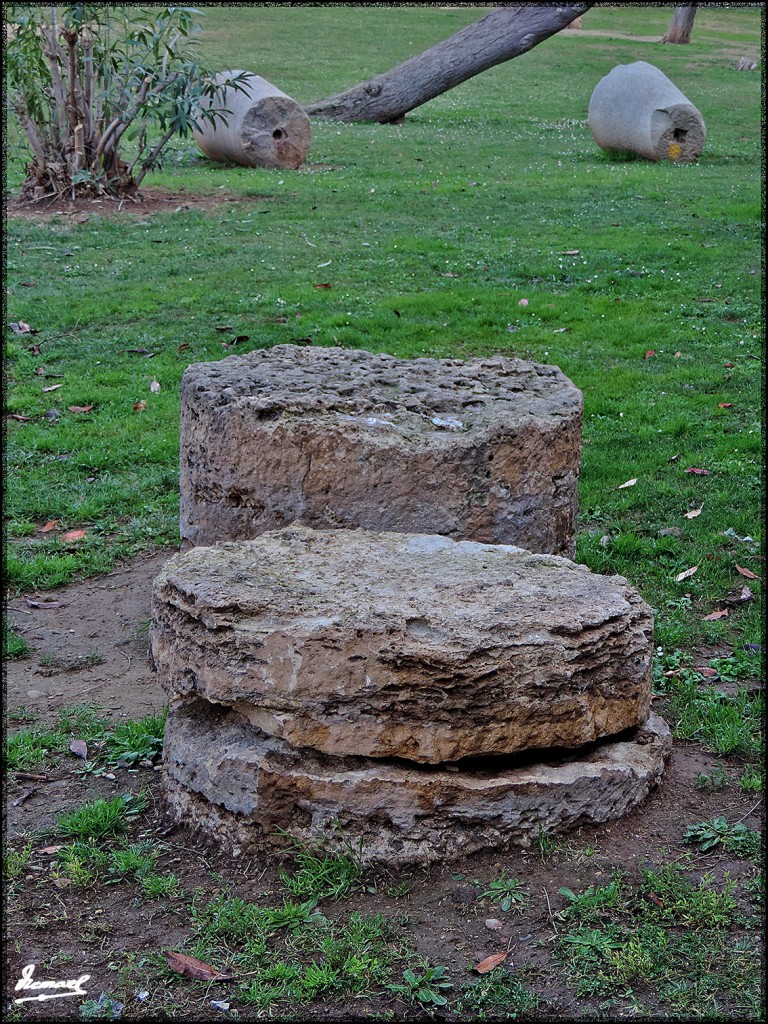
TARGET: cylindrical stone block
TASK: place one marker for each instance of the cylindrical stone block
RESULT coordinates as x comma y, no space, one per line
404,646
238,785
264,126
638,109
487,449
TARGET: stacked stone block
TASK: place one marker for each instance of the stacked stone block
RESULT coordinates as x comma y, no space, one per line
377,662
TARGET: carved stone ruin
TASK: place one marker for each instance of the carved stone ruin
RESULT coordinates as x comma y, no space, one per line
636,108
436,697
265,127
487,449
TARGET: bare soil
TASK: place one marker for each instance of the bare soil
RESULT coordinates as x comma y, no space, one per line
146,202
92,647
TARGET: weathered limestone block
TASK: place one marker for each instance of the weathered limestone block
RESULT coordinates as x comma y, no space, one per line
403,645
265,127
237,784
636,108
485,450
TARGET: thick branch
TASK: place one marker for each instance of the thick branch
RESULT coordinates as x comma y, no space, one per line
501,35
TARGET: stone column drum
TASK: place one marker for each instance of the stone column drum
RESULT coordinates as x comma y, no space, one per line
635,107
486,450
435,696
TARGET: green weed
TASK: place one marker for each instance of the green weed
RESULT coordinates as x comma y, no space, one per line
15,862
327,866
751,780
496,996
156,887
736,838
134,741
100,817
138,860
507,892
677,900
590,906
426,988
14,644
31,748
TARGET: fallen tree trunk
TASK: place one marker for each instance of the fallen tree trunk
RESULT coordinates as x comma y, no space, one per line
498,37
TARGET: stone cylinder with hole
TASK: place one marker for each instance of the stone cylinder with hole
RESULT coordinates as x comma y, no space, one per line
264,127
635,108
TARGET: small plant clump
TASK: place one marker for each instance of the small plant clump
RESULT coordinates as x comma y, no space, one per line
509,893
736,838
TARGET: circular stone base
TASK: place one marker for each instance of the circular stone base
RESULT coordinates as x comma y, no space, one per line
234,782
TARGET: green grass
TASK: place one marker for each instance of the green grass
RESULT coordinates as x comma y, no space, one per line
667,942
495,183
125,744
99,818
326,867
14,645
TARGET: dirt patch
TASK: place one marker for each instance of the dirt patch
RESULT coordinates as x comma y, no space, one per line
146,202
93,647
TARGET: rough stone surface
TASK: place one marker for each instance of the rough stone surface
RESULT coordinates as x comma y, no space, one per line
486,450
403,645
239,785
635,107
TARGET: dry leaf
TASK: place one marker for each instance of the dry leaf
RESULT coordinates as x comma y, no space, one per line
48,851
715,615
698,472
52,387
194,968
46,604
739,596
50,525
678,354
61,882
605,540
20,418
494,924
154,387
649,353
324,285
180,348
687,574
746,572
570,252
490,962
523,302
655,899
23,796
80,408
725,405
79,749
693,513
706,672
224,327
74,535
629,483
139,406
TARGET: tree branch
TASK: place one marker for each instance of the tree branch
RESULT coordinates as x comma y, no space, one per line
501,35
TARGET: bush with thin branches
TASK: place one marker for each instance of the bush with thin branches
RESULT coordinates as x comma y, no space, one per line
90,82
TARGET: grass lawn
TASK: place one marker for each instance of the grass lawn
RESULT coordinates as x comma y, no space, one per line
643,283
